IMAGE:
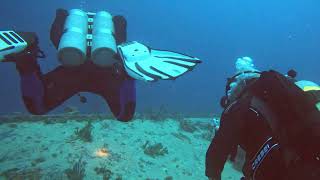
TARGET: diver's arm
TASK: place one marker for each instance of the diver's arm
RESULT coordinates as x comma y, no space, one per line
24,52
40,92
120,27
222,145
56,30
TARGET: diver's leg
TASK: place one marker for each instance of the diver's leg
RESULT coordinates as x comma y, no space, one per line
121,98
61,84
42,93
31,84
120,90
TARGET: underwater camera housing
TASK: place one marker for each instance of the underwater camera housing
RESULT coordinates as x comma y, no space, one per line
85,36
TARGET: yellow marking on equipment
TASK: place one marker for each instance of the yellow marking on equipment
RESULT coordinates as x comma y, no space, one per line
311,88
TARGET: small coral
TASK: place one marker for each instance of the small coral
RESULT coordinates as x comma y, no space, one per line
12,125
207,135
168,178
106,173
154,150
85,133
7,134
105,125
187,126
54,155
78,170
206,126
34,174
38,161
182,137
3,157
119,177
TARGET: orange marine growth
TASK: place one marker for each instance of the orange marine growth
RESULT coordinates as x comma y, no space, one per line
102,152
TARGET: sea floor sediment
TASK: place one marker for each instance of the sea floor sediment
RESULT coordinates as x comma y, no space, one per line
96,147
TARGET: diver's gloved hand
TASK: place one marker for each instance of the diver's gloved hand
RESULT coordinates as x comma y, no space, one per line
144,63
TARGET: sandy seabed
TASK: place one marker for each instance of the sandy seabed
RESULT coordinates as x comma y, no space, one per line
140,149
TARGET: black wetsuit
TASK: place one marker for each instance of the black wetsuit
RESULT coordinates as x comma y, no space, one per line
242,125
44,92
277,124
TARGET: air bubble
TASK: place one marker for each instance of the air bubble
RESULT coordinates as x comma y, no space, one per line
83,4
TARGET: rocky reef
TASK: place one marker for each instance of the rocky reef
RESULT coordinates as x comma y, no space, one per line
154,150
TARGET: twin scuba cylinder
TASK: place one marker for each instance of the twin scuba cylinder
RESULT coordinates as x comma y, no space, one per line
88,35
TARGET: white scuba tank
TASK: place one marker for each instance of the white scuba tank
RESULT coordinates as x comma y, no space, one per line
104,45
11,42
85,31
73,43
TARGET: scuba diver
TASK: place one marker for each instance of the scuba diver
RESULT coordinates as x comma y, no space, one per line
275,119
95,57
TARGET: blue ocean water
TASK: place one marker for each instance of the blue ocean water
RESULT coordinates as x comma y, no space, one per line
276,34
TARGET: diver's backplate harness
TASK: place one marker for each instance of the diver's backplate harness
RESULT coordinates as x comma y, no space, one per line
225,101
91,36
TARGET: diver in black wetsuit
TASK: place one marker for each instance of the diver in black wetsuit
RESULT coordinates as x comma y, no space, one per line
44,92
239,126
115,83
245,123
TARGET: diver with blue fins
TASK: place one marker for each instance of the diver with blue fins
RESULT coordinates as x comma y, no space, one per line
275,119
95,57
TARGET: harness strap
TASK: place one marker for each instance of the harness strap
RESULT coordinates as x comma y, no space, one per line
261,154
